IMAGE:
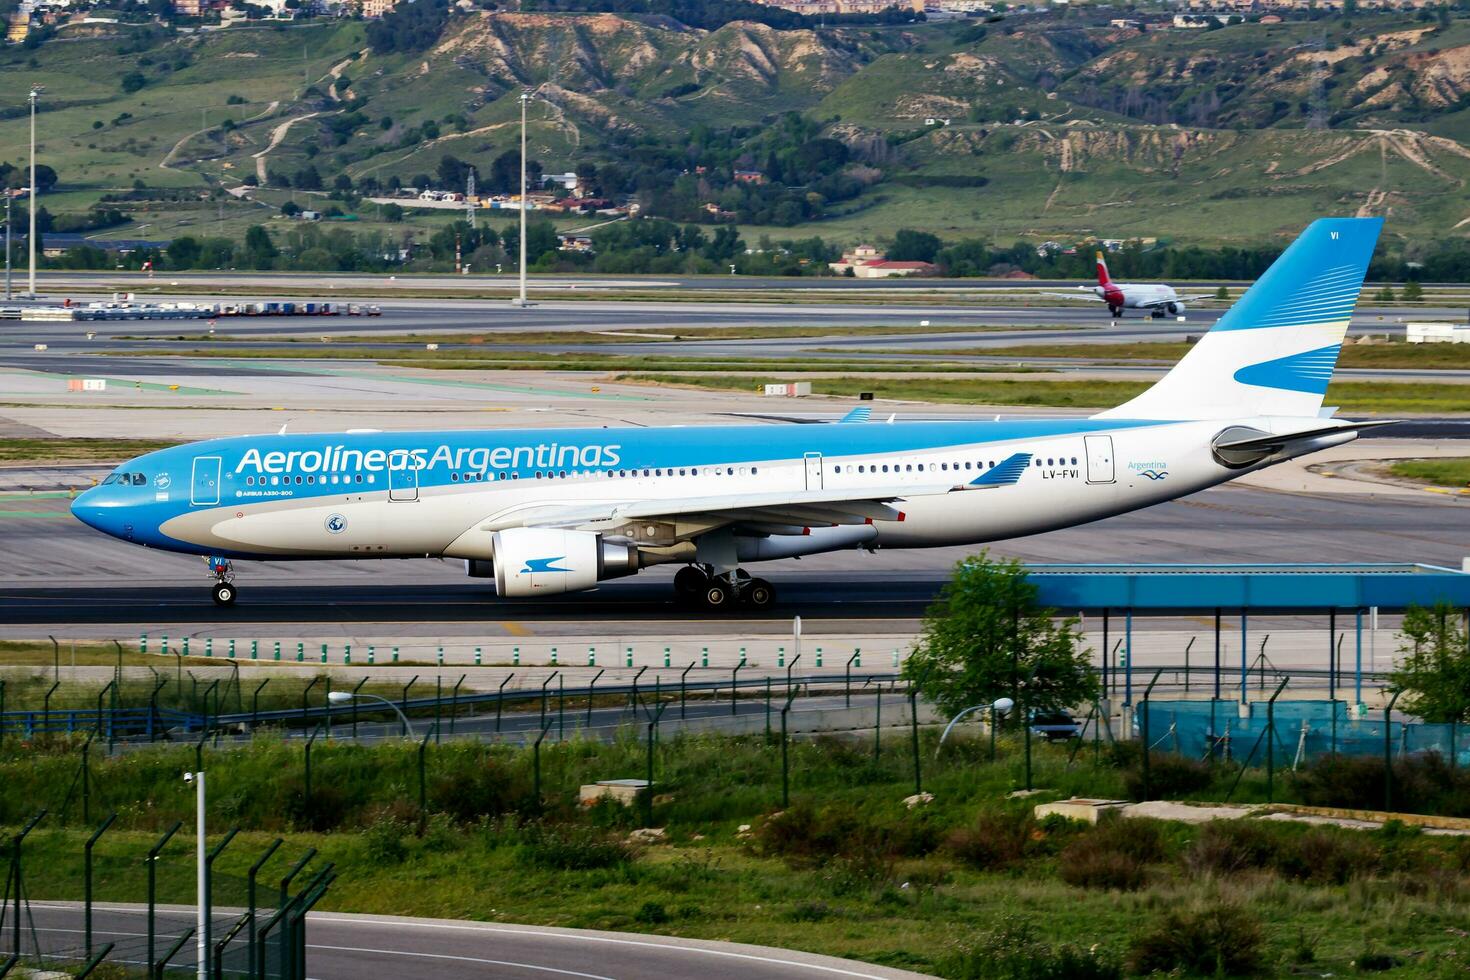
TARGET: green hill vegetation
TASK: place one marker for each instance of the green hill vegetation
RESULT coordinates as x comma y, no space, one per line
1056,126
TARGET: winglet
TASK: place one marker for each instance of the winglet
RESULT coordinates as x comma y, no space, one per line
1006,474
860,414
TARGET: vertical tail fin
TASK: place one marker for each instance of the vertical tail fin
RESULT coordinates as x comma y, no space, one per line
1103,279
1274,351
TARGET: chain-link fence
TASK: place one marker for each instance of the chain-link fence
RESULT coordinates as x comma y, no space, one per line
139,910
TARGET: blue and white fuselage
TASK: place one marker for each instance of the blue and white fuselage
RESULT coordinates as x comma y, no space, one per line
550,511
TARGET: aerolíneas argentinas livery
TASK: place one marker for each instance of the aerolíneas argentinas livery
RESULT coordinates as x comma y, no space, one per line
558,510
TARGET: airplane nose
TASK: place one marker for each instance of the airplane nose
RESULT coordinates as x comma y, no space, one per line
91,509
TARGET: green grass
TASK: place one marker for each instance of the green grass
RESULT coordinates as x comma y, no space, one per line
1392,355
848,871
1379,398
75,450
1450,472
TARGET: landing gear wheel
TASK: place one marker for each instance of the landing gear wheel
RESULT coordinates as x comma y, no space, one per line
689,582
759,594
1157,314
1116,311
717,595
224,593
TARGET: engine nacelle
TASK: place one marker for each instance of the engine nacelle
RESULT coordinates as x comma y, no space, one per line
532,561
479,568
1176,308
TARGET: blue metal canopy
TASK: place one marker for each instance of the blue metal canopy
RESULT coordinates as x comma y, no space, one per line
1247,588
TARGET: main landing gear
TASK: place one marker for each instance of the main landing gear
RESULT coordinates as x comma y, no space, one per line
694,584
224,581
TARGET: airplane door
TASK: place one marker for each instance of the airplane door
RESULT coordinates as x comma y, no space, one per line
814,471
1099,458
205,489
403,481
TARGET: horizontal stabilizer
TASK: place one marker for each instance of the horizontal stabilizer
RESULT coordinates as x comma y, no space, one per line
860,414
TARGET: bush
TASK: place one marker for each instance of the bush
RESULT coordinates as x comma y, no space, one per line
1231,846
386,841
1357,782
1213,940
1329,856
567,847
806,835
651,914
995,840
1114,854
1170,777
1013,952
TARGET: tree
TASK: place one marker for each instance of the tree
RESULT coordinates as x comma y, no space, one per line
392,213
290,209
453,172
308,178
183,252
914,246
985,638
133,81
260,251
1413,292
1434,673
505,173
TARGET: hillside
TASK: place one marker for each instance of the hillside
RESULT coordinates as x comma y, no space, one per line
1060,126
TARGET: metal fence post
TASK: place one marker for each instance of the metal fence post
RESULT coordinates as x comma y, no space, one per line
789,667
304,693
406,688
536,767
153,886
499,699
255,704
847,681
15,872
87,878
46,709
355,691
648,790
590,687
683,674
454,702
209,885
544,693
734,686
423,778
1271,740
1388,753
1144,728
914,730
785,764
250,880
310,741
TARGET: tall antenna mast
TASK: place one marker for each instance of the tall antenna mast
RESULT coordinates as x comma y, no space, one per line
469,196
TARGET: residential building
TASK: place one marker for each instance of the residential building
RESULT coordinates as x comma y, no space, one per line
750,177
377,8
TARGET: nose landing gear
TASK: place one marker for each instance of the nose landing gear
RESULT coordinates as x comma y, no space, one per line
695,585
224,581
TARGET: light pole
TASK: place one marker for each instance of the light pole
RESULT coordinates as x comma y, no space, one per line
342,697
525,98
36,91
9,197
201,924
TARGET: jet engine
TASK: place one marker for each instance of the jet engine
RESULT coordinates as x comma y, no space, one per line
532,561
1176,308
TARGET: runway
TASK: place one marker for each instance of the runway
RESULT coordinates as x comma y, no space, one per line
341,946
57,576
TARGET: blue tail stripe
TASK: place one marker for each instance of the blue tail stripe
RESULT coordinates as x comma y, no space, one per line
1315,281
1309,371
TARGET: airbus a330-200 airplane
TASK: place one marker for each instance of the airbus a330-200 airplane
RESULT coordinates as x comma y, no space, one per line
1157,298
548,511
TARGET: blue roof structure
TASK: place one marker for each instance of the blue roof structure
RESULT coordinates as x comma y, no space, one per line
1266,588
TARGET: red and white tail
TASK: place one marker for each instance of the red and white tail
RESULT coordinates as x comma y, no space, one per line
1103,279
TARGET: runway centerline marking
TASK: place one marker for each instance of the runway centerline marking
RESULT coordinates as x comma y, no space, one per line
459,959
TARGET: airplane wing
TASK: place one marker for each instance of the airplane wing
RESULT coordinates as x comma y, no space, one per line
1080,294
772,512
1195,298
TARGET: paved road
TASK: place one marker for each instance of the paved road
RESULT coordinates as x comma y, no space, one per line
368,947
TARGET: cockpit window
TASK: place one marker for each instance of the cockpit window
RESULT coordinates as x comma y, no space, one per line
111,478
126,479
139,479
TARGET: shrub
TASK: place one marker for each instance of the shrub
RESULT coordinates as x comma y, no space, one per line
1113,854
994,840
1329,856
1358,782
1231,846
1219,939
651,913
386,841
1013,952
1170,777
568,847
